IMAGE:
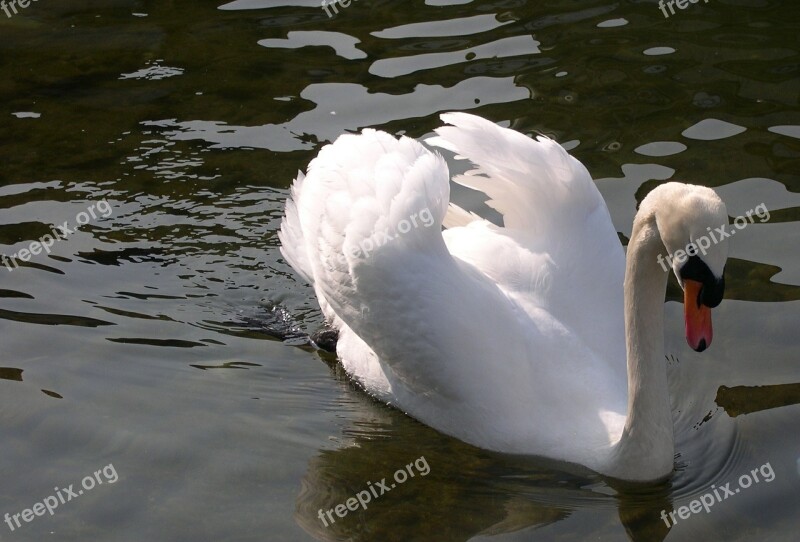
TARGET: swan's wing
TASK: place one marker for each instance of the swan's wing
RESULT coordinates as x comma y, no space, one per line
535,184
558,249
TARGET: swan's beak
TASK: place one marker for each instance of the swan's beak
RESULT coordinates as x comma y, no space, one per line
697,315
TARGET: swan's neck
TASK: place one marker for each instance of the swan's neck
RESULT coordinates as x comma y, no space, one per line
646,449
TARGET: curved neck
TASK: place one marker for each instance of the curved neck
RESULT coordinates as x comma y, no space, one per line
645,450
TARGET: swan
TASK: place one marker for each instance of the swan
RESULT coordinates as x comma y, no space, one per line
512,338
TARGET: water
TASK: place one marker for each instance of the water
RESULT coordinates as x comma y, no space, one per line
143,340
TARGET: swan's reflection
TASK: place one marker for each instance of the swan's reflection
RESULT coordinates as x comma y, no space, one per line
467,491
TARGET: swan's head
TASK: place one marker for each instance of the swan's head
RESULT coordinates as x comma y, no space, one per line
693,224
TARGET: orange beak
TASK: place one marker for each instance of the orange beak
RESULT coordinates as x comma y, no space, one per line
698,317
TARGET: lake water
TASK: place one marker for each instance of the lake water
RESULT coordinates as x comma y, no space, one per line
140,351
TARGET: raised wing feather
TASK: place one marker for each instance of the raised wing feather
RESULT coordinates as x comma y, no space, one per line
559,249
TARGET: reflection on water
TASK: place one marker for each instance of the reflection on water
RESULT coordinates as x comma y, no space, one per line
170,339
468,491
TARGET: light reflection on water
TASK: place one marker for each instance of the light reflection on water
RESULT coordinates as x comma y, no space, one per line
149,340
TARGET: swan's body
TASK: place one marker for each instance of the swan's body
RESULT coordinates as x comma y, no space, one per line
510,338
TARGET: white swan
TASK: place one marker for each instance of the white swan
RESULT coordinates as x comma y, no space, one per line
510,338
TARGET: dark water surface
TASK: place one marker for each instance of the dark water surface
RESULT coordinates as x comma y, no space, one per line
141,343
